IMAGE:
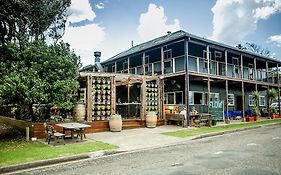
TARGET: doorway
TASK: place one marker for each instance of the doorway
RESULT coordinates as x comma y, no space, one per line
239,103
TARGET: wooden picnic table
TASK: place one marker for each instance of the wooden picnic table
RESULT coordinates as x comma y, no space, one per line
74,127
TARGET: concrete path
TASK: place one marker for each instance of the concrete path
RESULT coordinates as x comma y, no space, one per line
141,138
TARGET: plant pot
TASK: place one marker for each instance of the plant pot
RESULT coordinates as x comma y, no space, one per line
273,116
115,123
151,119
250,119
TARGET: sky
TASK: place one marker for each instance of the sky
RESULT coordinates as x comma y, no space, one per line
110,26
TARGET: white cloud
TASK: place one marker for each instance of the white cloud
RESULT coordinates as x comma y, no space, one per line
87,38
100,5
233,20
275,39
153,23
80,10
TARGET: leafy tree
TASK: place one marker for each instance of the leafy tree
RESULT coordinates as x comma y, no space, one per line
32,19
38,74
254,48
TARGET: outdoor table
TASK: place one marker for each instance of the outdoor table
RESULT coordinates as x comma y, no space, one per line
79,127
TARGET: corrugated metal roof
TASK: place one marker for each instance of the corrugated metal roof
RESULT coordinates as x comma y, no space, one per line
148,44
177,35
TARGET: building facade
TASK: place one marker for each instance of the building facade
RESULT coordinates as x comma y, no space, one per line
196,70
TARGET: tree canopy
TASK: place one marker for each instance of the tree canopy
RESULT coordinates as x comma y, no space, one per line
33,71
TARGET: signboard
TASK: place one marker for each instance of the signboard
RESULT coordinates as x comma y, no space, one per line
216,109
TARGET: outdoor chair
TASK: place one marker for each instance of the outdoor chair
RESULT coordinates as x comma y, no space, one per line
51,133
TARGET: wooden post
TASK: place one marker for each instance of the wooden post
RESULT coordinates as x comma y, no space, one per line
143,62
115,65
113,95
225,60
242,69
255,67
267,74
208,71
27,133
243,101
160,105
162,60
197,64
278,90
226,102
89,102
186,84
143,99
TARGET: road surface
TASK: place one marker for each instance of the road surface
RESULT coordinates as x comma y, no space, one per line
256,151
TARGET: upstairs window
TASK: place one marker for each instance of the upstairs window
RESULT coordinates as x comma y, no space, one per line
167,54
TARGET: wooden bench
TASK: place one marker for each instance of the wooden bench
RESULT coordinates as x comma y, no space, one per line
203,119
179,118
52,134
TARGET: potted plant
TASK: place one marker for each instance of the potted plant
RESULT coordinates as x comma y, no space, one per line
256,112
273,113
271,95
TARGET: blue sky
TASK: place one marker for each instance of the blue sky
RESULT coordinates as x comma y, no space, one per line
110,25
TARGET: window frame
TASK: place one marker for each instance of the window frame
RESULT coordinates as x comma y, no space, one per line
251,101
260,100
168,53
233,99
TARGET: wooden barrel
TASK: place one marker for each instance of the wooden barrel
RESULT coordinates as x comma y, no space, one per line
115,123
151,119
79,112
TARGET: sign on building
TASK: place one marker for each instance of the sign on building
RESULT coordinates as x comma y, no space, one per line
216,109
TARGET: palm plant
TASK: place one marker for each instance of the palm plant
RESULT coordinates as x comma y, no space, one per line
271,95
256,111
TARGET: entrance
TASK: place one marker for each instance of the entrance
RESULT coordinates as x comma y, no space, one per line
239,103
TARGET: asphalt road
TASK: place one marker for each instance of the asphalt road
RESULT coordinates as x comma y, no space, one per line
256,151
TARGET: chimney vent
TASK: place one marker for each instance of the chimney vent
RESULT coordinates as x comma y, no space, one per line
98,66
169,33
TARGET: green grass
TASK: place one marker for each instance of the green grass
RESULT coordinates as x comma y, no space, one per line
205,130
18,151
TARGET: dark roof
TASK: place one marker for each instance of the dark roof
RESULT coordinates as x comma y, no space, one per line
174,36
149,44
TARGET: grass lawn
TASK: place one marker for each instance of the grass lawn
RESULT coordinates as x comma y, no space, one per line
19,151
205,130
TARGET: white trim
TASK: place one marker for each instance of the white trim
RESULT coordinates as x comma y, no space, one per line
233,99
261,100
250,96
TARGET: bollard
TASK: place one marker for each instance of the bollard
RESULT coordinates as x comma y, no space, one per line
27,133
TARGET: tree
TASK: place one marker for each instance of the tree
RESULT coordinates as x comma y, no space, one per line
32,19
254,48
38,74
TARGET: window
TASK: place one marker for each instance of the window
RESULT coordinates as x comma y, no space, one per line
167,54
125,65
168,64
206,59
251,101
262,100
113,68
218,54
146,59
174,97
230,99
198,98
214,96
147,68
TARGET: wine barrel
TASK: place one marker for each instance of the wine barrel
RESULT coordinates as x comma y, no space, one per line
79,112
151,119
115,123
